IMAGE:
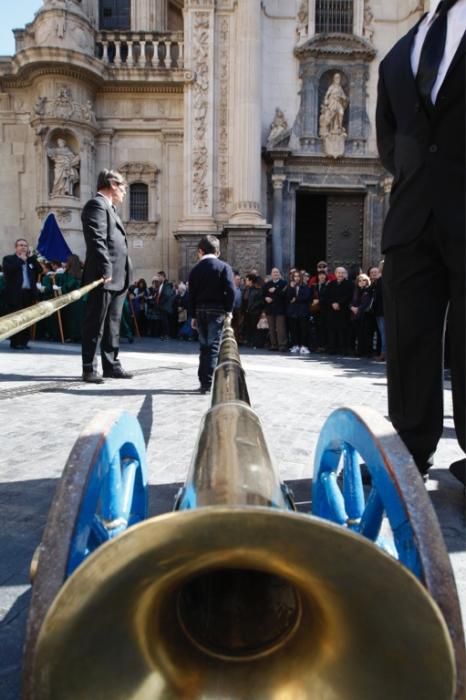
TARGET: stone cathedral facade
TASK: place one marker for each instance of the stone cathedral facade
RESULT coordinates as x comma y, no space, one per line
250,119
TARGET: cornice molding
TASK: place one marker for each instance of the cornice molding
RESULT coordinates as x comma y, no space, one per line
347,46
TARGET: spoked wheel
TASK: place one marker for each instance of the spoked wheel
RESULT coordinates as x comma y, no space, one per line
396,491
102,492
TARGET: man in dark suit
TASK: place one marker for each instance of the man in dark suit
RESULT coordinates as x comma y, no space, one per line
21,271
106,258
211,297
421,129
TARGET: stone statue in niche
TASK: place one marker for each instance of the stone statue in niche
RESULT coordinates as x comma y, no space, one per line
65,169
278,127
331,130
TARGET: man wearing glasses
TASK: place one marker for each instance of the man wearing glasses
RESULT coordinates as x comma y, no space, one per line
106,258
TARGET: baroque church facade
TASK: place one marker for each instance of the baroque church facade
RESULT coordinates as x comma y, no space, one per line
250,119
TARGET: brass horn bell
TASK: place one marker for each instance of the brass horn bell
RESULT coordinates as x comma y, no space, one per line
228,603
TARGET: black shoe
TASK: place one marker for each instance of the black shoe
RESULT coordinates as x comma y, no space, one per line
118,374
458,469
92,377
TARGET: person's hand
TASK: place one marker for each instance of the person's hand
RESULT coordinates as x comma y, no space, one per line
194,324
336,306
315,301
268,300
40,286
293,300
107,279
354,309
271,290
229,315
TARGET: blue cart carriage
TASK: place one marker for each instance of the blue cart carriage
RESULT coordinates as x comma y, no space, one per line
236,595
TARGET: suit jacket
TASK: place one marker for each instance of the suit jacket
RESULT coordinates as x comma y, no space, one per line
13,276
106,245
426,154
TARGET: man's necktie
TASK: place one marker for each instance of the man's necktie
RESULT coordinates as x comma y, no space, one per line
432,53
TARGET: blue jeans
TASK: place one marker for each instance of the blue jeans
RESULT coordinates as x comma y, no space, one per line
209,327
381,326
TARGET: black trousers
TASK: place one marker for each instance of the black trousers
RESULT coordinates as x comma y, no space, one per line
423,281
101,326
26,297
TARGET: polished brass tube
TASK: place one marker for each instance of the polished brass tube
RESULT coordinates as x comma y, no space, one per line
19,320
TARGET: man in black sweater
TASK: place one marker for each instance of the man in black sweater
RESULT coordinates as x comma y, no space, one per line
211,297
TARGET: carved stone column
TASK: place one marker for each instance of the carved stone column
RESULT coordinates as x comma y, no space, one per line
199,110
247,115
277,248
104,149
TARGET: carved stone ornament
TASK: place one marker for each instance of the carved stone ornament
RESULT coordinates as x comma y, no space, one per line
138,171
368,21
331,129
224,81
278,128
64,107
65,169
327,46
201,46
63,216
302,20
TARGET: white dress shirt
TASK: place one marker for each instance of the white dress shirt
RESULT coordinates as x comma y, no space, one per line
456,27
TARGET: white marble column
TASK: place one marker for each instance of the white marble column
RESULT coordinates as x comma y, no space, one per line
246,121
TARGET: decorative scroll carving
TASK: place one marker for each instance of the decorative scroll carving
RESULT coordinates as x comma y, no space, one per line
63,216
63,107
223,114
200,108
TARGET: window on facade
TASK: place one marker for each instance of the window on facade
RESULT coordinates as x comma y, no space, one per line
334,16
138,202
114,14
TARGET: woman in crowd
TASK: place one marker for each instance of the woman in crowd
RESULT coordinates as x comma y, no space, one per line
298,297
72,314
253,305
275,308
361,324
138,296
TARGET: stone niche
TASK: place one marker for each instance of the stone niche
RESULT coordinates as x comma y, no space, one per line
321,58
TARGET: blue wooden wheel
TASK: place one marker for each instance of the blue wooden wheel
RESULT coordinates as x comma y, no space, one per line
397,492
115,496
102,492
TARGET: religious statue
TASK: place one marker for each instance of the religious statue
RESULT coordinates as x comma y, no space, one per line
39,107
331,128
302,17
66,169
278,126
333,108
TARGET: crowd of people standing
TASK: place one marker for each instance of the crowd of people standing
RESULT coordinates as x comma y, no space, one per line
324,312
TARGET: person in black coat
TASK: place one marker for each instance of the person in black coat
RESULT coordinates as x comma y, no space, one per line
338,297
275,308
211,297
298,297
21,272
107,258
421,139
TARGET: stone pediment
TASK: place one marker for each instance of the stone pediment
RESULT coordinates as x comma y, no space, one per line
345,46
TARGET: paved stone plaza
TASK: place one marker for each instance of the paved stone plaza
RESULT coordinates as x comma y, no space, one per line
44,405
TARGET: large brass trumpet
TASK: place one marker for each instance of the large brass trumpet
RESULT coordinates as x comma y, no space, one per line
20,320
237,597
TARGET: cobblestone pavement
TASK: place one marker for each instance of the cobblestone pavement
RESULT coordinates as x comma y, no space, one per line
44,405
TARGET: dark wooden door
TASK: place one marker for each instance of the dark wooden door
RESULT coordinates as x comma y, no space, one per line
345,228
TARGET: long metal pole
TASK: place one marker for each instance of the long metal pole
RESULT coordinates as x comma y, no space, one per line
19,320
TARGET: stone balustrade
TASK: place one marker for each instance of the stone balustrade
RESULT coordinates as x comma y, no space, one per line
155,50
